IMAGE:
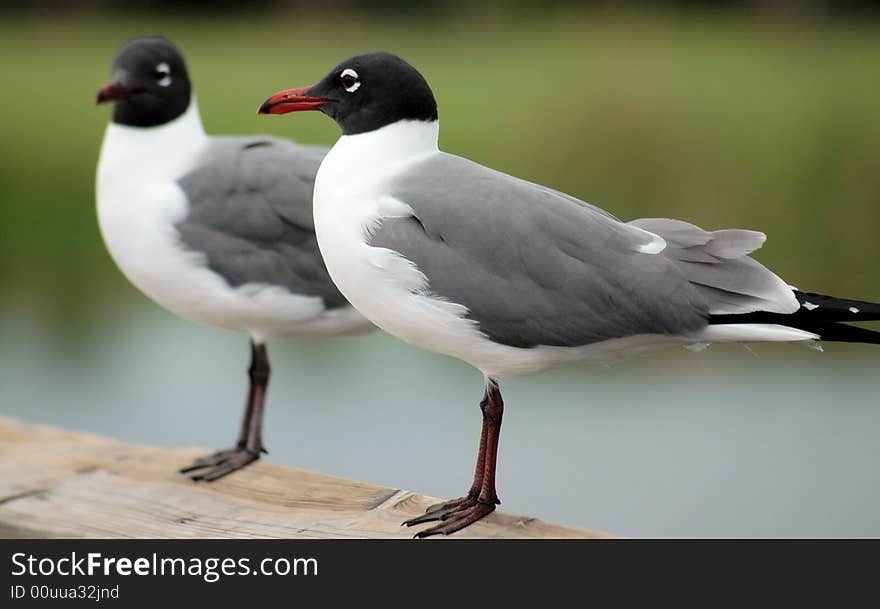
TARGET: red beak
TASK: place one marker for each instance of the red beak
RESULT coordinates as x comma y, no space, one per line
291,100
111,92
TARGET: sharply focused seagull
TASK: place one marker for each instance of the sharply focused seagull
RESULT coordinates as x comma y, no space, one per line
215,229
514,277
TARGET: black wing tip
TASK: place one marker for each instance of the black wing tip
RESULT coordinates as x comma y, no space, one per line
844,333
820,314
822,307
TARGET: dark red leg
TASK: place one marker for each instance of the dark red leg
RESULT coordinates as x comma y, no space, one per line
476,485
249,445
482,497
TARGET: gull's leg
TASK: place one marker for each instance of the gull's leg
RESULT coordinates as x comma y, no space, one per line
249,445
482,496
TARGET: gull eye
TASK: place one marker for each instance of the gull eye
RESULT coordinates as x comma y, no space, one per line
350,80
163,74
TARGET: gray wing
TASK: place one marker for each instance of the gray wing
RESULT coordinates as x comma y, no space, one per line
535,266
717,265
250,214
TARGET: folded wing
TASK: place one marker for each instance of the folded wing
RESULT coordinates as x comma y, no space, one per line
250,215
535,266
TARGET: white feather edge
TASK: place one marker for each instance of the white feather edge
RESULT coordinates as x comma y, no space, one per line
744,333
655,244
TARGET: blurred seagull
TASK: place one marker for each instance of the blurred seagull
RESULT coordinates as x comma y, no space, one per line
514,277
216,229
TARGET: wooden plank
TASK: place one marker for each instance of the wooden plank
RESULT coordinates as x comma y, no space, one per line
59,483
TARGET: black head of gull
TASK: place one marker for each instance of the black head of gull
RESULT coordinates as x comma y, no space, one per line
363,93
150,84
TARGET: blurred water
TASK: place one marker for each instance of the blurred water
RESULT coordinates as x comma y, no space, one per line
772,441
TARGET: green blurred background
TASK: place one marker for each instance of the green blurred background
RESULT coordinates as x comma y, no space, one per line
755,118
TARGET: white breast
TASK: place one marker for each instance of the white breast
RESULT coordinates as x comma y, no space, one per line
139,203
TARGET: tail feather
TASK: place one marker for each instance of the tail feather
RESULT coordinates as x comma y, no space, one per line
820,314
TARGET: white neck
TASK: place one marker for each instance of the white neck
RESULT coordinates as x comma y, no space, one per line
148,153
390,145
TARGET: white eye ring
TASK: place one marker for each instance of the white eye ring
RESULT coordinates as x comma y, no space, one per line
164,71
352,77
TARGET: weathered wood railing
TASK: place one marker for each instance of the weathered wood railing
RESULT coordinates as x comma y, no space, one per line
59,483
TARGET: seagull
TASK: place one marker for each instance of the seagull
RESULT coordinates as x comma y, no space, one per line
514,277
216,229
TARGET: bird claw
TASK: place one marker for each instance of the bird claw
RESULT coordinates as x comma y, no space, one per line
453,515
221,463
441,511
454,519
